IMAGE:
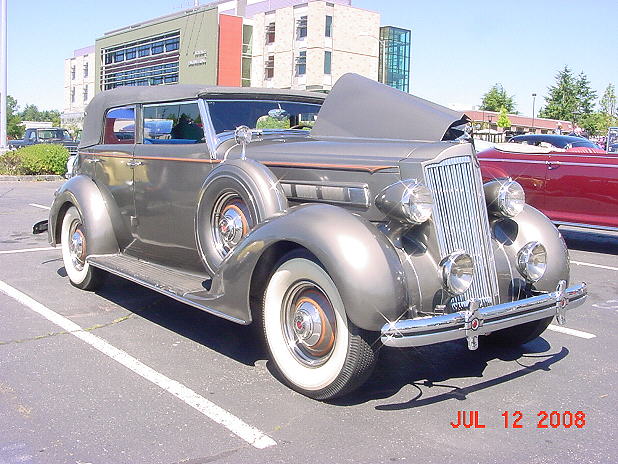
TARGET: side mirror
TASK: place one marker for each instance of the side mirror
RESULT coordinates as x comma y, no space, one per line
243,136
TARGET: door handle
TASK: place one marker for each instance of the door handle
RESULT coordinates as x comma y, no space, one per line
551,165
134,163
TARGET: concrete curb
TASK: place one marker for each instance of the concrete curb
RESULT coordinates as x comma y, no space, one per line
37,178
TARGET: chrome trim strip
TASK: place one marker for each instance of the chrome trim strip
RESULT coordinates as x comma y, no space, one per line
437,329
328,193
551,161
586,226
515,160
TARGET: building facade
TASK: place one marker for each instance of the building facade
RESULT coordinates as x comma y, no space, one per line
310,45
79,86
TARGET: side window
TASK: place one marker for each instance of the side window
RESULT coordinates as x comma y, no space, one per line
32,136
119,126
173,124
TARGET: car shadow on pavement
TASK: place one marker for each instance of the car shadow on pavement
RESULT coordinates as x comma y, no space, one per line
233,340
597,242
433,371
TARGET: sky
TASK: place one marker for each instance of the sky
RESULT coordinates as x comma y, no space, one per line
459,48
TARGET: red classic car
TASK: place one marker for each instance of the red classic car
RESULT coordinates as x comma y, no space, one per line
576,184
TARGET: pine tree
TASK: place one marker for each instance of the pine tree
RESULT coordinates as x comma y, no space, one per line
497,98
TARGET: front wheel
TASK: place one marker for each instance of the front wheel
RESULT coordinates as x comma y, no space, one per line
314,347
74,244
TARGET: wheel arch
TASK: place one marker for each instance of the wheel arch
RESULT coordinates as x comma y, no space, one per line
83,193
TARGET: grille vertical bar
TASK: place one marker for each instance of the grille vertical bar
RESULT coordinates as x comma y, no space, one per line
460,217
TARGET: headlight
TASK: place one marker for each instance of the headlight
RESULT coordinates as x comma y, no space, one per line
408,201
532,261
457,270
505,197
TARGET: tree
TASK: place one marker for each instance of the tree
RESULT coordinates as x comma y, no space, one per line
32,113
497,98
570,99
13,121
503,119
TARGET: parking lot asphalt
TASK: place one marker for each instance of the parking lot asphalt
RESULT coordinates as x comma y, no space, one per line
161,382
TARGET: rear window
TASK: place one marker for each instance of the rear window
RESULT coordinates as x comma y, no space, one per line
120,126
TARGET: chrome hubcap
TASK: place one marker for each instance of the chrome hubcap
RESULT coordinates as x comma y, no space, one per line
231,222
309,324
77,246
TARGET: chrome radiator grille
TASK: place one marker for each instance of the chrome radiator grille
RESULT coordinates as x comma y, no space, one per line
460,218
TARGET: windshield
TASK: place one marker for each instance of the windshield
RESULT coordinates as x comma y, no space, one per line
227,115
54,134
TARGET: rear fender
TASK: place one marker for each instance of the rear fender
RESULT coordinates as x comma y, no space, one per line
359,258
83,193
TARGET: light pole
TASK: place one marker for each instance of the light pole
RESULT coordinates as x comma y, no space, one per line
3,51
533,102
383,46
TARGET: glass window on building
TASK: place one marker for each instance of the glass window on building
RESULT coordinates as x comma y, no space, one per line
270,33
328,61
301,63
72,94
73,72
394,68
118,56
85,93
301,28
173,124
269,67
85,70
329,26
157,47
119,126
143,50
131,53
172,44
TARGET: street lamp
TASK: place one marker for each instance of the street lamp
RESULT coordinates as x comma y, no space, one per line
533,102
383,46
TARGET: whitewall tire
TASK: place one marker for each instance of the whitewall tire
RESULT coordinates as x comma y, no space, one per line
313,345
74,243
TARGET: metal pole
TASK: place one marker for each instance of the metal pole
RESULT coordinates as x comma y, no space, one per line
533,101
3,51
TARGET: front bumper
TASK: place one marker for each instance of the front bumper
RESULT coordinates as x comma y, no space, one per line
477,321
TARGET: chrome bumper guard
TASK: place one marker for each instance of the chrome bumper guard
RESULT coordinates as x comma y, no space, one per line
477,321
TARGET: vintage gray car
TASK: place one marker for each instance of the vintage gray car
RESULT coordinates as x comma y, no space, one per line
337,223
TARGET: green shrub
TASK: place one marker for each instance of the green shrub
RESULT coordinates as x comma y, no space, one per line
36,159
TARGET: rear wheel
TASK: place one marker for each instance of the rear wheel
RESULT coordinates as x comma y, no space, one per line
520,334
74,243
315,348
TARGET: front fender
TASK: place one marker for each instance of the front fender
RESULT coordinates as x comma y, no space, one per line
361,261
81,192
512,234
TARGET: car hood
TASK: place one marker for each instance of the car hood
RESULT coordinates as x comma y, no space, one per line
362,108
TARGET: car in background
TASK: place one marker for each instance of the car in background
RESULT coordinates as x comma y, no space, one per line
569,179
55,135
565,142
613,148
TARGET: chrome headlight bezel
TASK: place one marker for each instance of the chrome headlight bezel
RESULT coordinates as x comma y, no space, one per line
457,272
505,197
408,201
532,261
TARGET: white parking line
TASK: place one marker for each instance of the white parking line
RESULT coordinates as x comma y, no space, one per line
576,333
25,250
36,205
600,266
235,425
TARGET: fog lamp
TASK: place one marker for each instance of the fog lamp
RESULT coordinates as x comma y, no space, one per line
457,270
532,261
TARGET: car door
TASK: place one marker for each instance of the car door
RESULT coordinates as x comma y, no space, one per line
582,188
172,160
109,163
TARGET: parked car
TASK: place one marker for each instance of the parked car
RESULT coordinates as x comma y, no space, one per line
613,148
53,135
575,185
572,143
373,226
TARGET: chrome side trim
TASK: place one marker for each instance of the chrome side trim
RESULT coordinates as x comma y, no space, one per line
586,226
437,329
354,195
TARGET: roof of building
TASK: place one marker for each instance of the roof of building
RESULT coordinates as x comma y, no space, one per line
524,121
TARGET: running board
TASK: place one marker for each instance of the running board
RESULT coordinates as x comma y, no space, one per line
191,289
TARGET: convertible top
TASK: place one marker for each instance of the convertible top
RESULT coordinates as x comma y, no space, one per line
122,96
